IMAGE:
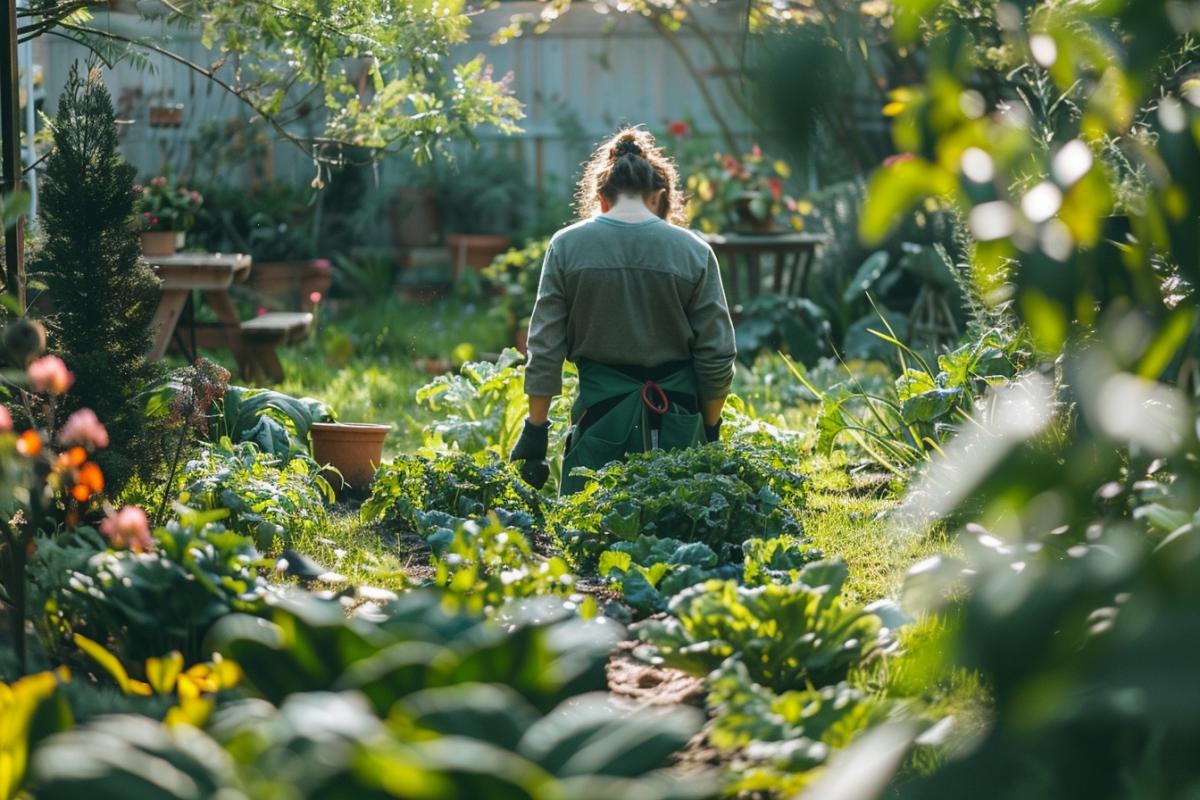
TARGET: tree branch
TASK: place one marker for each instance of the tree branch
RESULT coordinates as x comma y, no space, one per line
208,74
698,78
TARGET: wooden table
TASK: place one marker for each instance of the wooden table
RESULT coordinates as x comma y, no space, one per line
744,255
212,274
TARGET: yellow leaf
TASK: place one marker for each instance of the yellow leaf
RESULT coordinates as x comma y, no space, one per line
106,660
189,712
162,672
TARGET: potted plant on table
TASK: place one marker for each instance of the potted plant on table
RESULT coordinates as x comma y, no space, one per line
274,223
167,211
744,194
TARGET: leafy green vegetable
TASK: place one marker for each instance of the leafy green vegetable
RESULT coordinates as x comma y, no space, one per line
714,495
788,636
460,485
144,605
266,500
492,563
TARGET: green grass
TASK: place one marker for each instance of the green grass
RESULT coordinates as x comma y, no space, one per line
851,518
364,553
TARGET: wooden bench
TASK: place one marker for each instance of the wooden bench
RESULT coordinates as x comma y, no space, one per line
261,335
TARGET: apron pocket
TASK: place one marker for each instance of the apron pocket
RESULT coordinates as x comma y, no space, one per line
680,429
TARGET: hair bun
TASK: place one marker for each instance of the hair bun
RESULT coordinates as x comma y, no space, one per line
627,147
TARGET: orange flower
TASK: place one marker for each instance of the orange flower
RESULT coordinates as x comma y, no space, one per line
29,444
91,477
81,492
76,456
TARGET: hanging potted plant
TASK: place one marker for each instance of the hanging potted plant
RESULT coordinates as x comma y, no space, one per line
167,211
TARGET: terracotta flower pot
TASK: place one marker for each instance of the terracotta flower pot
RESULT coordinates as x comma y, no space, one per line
158,243
475,250
354,448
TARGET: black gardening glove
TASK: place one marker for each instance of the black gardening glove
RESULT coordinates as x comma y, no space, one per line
530,450
713,432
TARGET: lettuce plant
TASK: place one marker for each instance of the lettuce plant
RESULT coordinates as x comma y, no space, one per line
788,635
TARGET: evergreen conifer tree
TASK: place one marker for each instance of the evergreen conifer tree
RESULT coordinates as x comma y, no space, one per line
103,294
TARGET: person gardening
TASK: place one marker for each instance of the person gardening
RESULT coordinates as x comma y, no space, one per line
634,299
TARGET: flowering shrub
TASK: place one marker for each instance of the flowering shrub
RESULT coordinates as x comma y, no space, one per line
741,193
42,488
165,205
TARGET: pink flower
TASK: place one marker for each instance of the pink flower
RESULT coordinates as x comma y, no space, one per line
314,298
679,128
5,419
756,151
128,529
261,311
137,187
197,198
322,264
50,374
83,428
158,182
731,164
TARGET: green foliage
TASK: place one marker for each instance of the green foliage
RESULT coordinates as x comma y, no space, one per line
300,49
517,273
266,500
787,635
773,322
457,484
143,605
491,564
128,755
926,404
715,495
480,408
649,571
277,423
780,737
104,294
538,648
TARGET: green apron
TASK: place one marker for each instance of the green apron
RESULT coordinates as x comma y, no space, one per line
626,428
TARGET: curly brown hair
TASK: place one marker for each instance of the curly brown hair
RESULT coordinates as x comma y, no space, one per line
630,162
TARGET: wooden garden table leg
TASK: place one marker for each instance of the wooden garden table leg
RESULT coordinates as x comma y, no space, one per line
166,317
220,301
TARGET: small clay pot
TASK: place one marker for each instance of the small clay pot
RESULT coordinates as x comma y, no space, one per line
474,250
158,243
353,448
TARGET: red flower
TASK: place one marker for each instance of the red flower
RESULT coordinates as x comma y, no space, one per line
730,164
776,188
679,128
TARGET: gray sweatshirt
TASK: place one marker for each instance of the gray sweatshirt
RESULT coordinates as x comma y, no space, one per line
630,294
